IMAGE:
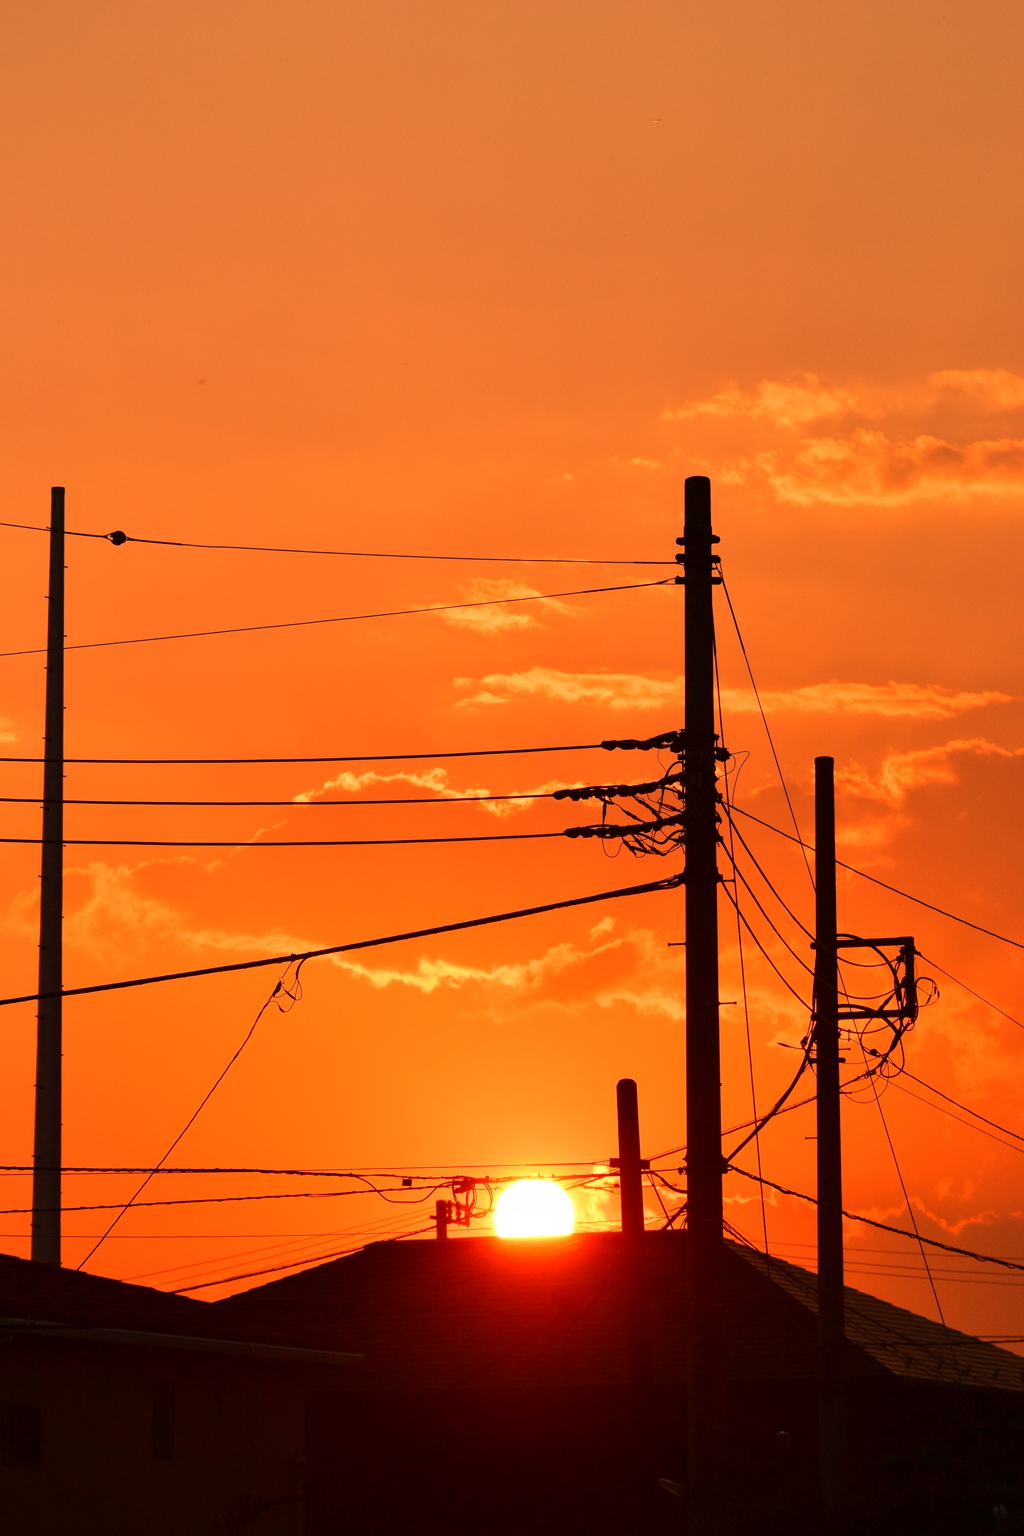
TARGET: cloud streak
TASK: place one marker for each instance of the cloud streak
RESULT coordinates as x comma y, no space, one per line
624,690
870,468
902,772
629,970
435,779
776,401
484,589
867,465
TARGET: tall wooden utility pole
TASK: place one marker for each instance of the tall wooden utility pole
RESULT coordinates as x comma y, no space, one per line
705,1382
46,1193
831,1324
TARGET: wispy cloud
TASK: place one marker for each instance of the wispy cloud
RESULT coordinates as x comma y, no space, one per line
914,457
994,387
633,970
111,916
906,701
436,780
867,467
613,690
627,690
484,589
782,403
902,772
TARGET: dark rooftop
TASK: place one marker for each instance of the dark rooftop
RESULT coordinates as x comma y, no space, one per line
483,1311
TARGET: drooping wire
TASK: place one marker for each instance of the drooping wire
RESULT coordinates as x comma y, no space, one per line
882,1226
913,1222
653,1183
784,979
293,993
345,842
731,850
942,1110
362,757
768,882
293,804
965,1107
772,925
777,1108
668,883
764,722
120,537
145,1205
344,618
894,889
275,1269
956,980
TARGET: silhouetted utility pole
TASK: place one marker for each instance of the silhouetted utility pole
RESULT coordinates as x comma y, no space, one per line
831,1324
629,1162
46,1193
705,1382
638,1439
631,1203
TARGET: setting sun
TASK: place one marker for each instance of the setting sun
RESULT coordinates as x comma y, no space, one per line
534,1208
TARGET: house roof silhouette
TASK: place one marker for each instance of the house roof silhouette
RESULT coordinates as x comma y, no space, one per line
528,1312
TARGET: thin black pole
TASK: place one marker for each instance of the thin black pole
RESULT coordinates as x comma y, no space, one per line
832,1468
631,1179
638,1437
705,1384
631,1205
46,1192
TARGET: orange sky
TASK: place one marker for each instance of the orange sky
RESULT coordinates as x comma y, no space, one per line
496,278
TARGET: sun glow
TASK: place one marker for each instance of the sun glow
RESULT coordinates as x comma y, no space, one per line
534,1208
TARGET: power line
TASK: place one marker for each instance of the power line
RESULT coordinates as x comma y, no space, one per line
731,852
919,900
142,1205
415,1170
299,804
913,1222
750,855
321,1258
668,883
965,1107
956,980
119,537
775,929
868,1221
358,842
344,618
293,994
941,1108
362,757
764,717
785,982
415,1195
